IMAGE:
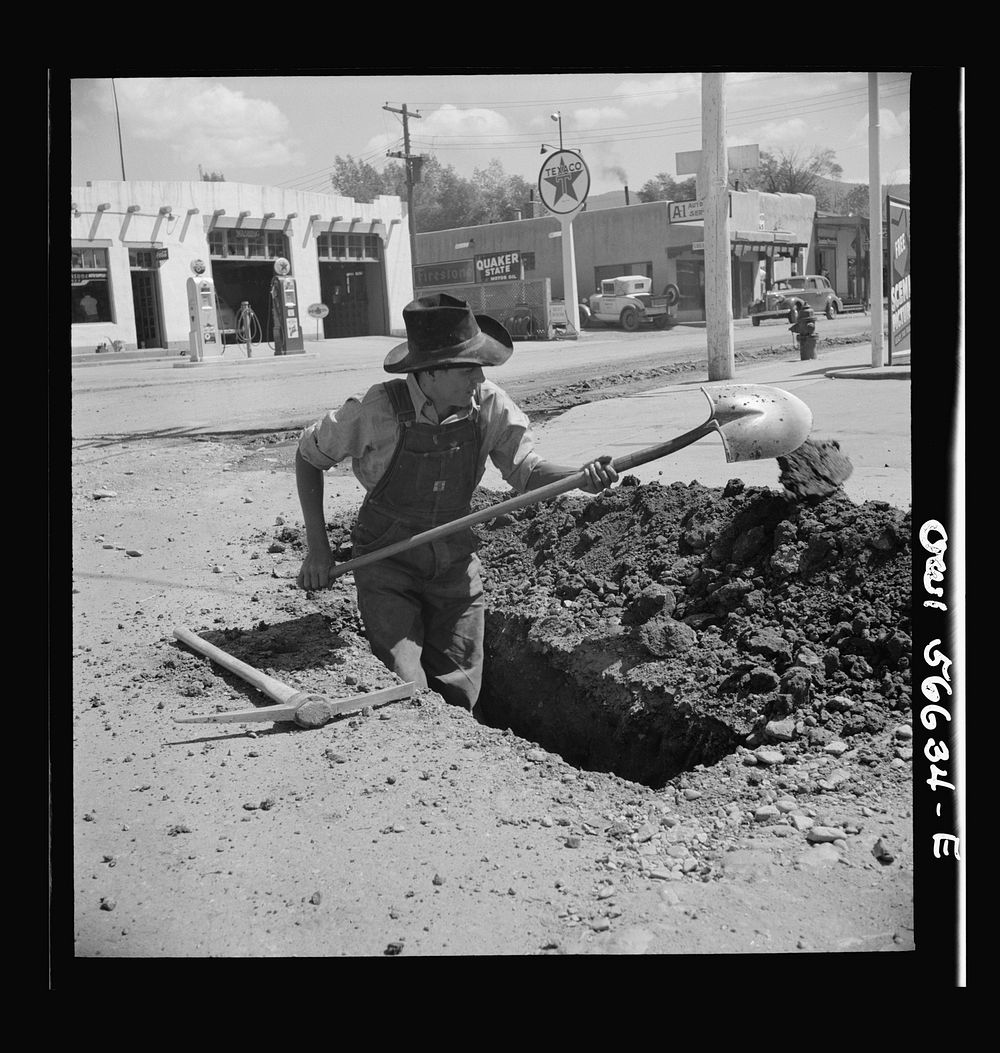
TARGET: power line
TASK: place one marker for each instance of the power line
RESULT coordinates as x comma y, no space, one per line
626,97
748,115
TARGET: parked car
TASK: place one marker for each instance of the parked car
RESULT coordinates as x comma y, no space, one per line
628,301
781,299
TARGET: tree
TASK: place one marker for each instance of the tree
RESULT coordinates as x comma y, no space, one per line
442,199
357,179
664,187
790,173
500,194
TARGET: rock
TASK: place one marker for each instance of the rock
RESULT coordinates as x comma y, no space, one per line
817,834
836,748
663,635
316,898
882,852
833,779
780,730
820,855
573,841
766,814
536,756
903,732
133,552
762,680
801,822
108,903
769,756
99,495
767,642
653,600
437,880
690,794
276,546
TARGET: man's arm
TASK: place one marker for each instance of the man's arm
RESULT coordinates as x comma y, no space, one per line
315,571
600,474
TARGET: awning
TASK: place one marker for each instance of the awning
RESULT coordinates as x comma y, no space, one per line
765,242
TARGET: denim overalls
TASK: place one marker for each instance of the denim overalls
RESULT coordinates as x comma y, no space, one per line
423,608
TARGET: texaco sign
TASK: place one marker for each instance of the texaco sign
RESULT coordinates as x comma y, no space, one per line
563,182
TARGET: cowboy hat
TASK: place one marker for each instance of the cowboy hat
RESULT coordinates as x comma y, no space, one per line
443,331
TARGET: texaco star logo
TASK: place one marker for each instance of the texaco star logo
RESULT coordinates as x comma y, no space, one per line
563,182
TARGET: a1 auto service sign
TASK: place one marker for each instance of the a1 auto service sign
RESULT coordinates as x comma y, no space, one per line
563,182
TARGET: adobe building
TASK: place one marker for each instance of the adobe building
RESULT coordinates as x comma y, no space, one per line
772,236
133,244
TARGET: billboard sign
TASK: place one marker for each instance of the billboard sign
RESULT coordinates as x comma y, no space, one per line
499,267
564,182
898,213
451,272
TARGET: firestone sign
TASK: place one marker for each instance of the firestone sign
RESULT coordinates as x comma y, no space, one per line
502,267
564,182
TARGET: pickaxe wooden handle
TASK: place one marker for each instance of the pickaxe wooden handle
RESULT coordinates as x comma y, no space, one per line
305,708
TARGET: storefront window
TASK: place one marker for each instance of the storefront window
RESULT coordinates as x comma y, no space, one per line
239,243
349,246
90,286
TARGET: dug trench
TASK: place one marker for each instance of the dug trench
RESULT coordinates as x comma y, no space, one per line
653,630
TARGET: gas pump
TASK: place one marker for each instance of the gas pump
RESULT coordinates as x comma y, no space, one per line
285,311
203,337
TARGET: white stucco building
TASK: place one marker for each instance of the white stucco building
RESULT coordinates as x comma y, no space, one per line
133,244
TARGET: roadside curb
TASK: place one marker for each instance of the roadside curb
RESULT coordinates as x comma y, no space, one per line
871,373
244,361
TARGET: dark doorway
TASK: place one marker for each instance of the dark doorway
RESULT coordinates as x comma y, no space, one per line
239,281
355,294
146,301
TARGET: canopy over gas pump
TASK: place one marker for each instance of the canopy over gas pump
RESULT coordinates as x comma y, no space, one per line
285,311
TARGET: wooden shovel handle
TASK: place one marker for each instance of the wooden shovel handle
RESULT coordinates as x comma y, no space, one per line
273,688
543,493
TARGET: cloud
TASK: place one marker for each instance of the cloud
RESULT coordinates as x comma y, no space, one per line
206,122
593,117
781,132
890,126
659,91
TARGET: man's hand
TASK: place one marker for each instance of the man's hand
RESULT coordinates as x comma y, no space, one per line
315,571
600,475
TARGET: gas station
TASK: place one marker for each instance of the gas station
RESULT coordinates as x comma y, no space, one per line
220,271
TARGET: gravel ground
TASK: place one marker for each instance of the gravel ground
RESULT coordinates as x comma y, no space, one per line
696,741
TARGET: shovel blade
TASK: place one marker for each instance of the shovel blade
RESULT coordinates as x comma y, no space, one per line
758,422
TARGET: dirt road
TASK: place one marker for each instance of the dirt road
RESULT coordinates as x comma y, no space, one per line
413,829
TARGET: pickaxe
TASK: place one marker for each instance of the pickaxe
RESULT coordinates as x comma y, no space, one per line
306,708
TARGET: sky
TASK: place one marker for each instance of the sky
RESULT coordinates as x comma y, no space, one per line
286,130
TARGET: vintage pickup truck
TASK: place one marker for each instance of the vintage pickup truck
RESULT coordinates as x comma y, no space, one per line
628,301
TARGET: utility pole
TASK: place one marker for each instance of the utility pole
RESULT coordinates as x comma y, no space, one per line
408,162
874,223
718,274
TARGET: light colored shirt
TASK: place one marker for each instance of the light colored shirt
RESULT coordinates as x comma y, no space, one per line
365,429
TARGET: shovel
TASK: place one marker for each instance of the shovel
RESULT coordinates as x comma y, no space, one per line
756,423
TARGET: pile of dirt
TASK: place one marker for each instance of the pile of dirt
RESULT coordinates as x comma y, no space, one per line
654,628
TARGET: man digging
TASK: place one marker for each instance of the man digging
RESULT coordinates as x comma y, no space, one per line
418,445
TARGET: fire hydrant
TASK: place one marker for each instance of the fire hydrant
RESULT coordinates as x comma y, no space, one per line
804,328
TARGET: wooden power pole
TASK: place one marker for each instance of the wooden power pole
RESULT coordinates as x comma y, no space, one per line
718,273
408,163
875,223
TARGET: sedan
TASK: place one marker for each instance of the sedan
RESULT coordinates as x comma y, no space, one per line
782,298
